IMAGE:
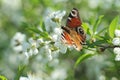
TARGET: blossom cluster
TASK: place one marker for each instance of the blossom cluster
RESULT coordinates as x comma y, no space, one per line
116,42
20,45
57,74
45,51
31,47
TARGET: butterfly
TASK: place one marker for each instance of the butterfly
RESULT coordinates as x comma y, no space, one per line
73,33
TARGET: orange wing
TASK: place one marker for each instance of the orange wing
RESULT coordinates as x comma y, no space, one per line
73,33
66,38
74,19
71,37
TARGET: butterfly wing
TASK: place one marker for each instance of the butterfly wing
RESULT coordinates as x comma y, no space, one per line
66,38
74,19
73,34
71,37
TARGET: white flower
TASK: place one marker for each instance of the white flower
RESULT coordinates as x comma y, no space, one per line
17,41
116,50
49,24
40,40
18,48
61,46
57,34
117,58
31,47
31,77
93,3
52,19
59,74
102,77
50,56
19,37
48,51
34,77
23,78
116,41
57,16
55,37
117,33
57,30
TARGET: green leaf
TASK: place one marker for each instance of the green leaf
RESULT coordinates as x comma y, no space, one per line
98,21
101,31
96,43
86,28
19,72
3,77
42,25
112,26
43,34
82,58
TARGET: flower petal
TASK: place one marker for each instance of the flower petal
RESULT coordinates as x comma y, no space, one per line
117,33
116,50
116,41
117,58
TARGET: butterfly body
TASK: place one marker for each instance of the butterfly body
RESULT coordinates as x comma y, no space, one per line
73,33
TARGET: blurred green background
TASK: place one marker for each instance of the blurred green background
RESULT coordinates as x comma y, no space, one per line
14,14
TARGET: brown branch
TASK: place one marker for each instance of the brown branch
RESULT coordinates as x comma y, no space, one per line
104,47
